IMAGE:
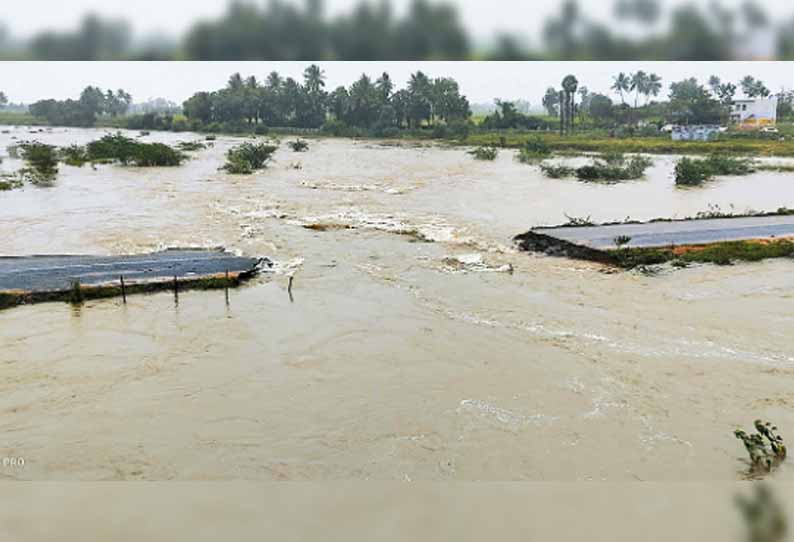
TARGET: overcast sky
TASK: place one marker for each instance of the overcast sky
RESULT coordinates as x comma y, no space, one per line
482,17
480,81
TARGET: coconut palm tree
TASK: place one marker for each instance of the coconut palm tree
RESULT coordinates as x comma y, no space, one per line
621,84
639,85
654,86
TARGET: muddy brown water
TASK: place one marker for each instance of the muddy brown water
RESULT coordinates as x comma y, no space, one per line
409,350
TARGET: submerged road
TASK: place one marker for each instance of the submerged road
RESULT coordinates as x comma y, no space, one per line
682,232
56,273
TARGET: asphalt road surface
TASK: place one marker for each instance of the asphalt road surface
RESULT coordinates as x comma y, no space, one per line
56,273
684,232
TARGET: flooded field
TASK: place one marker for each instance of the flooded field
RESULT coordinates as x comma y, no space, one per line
418,344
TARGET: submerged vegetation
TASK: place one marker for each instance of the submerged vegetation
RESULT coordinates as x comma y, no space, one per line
533,150
249,157
765,447
610,168
693,172
299,145
41,163
484,153
117,148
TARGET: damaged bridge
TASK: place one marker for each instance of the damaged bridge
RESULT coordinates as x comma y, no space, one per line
599,243
31,279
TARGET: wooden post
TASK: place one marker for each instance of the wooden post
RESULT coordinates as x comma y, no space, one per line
226,285
176,290
289,288
123,290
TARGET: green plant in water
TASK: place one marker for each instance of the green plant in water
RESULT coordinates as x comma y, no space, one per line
557,171
484,153
9,182
765,447
533,150
126,151
248,157
693,172
42,163
73,155
188,146
299,145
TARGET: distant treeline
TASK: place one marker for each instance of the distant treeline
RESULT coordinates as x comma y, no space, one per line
369,105
426,106
433,30
93,102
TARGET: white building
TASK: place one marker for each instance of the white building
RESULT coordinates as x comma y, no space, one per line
754,113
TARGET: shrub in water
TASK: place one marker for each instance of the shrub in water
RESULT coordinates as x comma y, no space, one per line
692,172
557,171
73,155
126,151
765,447
42,161
484,153
299,145
248,157
534,149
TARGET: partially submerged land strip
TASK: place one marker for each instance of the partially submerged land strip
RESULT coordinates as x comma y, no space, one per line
584,143
716,240
37,279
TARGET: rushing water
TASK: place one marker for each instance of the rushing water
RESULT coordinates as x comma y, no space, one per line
418,344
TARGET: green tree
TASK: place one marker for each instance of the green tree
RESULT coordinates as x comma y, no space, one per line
621,84
692,103
754,88
3,99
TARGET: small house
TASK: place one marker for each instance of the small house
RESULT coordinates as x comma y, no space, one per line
754,113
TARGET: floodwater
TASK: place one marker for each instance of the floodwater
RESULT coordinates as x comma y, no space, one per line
418,344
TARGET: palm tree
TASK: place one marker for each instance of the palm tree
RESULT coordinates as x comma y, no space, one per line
621,83
313,79
654,86
569,86
385,87
638,85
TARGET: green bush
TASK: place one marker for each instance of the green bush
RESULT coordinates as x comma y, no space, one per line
534,149
42,161
557,171
126,151
248,157
614,170
73,155
484,153
693,172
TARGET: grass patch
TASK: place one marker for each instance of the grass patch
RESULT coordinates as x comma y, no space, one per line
723,253
595,143
484,153
249,157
